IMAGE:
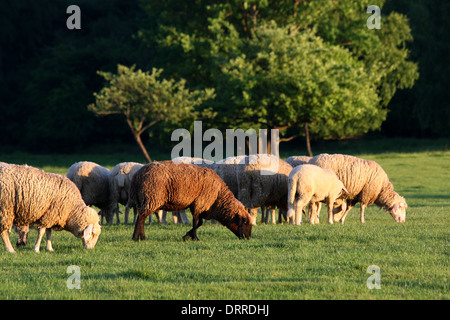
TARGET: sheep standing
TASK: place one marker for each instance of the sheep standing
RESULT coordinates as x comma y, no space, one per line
366,183
119,185
29,196
310,184
93,182
169,186
263,181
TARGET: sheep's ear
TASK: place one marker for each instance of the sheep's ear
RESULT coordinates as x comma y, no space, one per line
345,189
87,233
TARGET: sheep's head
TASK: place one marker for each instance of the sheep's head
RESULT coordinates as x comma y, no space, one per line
91,233
241,224
398,210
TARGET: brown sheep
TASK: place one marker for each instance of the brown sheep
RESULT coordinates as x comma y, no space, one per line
169,186
366,183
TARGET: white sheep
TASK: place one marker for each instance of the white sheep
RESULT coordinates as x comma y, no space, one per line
366,182
262,182
93,182
297,160
32,197
310,184
119,185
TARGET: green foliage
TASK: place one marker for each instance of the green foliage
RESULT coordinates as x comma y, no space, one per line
47,72
284,80
144,100
317,63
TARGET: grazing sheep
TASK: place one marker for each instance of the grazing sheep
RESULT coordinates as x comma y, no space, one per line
203,163
310,184
22,231
263,181
93,182
366,183
169,186
297,160
119,185
227,169
29,196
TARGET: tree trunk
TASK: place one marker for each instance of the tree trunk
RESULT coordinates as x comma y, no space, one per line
141,145
308,144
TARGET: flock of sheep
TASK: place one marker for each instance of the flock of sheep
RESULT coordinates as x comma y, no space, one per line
229,191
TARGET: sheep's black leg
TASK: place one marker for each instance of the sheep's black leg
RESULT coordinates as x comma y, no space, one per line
139,228
192,234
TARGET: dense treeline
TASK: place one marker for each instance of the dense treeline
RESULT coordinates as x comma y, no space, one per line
48,74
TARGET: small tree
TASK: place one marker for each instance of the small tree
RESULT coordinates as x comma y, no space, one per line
144,100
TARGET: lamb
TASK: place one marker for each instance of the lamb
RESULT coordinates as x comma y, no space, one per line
310,184
366,182
297,160
29,196
263,182
169,186
119,185
93,182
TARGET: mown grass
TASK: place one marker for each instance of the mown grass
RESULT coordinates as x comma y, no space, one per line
278,262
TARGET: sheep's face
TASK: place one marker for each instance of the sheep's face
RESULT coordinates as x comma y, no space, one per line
241,226
398,211
339,207
90,235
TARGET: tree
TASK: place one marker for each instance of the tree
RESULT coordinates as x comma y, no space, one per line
212,39
286,79
144,100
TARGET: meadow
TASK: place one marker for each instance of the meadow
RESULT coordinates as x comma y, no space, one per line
279,261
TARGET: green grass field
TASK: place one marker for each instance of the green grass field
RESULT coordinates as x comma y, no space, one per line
278,262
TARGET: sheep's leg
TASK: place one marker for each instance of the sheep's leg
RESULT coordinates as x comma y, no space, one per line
127,212
263,214
281,213
254,213
183,217
22,233
117,210
48,234
7,242
192,234
272,214
311,213
139,233
135,215
349,207
330,211
314,209
298,220
363,207
162,214
175,216
317,210
37,246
